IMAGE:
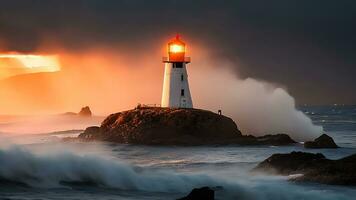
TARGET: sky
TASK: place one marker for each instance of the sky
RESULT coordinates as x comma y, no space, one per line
307,47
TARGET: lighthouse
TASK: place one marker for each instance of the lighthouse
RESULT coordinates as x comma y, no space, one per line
176,93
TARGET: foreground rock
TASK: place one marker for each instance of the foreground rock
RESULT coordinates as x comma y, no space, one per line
204,193
314,167
324,141
168,126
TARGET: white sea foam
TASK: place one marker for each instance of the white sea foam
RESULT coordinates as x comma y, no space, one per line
52,169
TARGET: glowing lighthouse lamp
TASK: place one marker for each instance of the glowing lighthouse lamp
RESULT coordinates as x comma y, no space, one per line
176,93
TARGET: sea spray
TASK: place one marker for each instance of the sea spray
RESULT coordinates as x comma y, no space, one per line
258,107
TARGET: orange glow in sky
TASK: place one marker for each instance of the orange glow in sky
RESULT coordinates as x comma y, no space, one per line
48,62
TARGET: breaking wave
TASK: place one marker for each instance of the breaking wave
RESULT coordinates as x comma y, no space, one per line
21,165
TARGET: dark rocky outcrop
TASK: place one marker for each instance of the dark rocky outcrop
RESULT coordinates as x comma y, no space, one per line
165,126
204,193
85,112
174,126
277,140
314,167
324,141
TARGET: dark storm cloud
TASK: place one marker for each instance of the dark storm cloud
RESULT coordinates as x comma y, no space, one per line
309,46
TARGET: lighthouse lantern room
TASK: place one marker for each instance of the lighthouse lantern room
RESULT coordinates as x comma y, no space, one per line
176,93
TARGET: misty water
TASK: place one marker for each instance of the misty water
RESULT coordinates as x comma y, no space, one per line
41,166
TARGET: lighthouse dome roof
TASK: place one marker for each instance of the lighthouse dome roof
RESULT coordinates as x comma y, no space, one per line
176,40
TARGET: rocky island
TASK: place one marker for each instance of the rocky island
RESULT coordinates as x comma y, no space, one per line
174,126
324,141
312,167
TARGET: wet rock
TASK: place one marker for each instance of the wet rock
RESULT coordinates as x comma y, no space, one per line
204,193
313,167
286,164
277,140
324,141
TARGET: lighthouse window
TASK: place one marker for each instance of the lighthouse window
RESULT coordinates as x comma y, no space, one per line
182,77
178,65
182,92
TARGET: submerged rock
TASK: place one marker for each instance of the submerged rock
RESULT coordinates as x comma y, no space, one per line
85,112
175,126
204,193
324,141
313,167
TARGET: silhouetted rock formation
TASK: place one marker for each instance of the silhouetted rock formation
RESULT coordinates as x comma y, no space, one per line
204,193
314,167
174,126
85,112
277,140
324,141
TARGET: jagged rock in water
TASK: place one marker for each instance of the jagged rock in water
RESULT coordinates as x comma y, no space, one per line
324,141
313,167
85,112
175,126
204,193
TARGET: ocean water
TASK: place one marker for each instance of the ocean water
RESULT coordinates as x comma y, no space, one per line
43,167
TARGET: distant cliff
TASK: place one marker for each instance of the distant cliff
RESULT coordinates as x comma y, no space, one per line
174,126
84,112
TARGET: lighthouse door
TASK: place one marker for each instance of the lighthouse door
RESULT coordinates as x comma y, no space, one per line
183,103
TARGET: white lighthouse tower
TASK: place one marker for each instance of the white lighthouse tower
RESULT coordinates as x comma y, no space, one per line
176,93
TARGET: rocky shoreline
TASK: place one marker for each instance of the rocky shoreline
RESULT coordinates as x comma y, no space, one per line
311,168
324,141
